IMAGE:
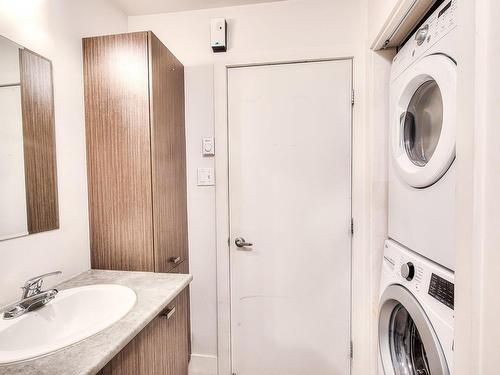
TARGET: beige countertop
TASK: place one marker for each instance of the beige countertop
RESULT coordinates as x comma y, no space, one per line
154,292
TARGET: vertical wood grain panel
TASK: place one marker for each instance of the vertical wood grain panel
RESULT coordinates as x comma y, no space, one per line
118,151
178,352
183,268
168,157
144,354
39,142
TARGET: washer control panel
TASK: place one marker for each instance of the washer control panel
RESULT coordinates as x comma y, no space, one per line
442,290
424,278
432,287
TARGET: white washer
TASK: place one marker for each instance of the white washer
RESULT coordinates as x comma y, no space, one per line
415,315
422,139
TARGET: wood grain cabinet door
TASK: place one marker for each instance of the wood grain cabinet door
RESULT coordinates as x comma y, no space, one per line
183,268
178,352
161,348
143,355
168,150
116,77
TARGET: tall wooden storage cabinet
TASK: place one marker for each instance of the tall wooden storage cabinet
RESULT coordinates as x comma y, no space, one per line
136,162
136,156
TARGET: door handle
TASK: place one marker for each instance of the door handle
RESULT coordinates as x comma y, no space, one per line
240,242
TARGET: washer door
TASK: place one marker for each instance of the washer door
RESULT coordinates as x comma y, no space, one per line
423,126
407,341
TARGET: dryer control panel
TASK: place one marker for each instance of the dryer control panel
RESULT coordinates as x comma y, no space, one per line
439,24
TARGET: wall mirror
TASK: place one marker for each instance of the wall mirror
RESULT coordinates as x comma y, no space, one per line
28,180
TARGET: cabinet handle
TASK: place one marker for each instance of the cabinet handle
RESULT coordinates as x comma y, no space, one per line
175,260
168,314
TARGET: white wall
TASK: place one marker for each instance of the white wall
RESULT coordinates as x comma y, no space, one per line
54,29
9,64
201,209
379,13
490,201
291,30
477,273
378,78
263,32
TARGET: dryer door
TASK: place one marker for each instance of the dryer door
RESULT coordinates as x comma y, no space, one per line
423,123
407,341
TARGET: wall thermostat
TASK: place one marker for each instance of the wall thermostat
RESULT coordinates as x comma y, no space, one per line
218,34
208,146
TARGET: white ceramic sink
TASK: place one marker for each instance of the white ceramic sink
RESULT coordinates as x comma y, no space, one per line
75,314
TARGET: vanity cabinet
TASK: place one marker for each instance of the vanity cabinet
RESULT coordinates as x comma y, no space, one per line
136,156
161,348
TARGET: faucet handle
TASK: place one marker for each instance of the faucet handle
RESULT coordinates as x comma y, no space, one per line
33,286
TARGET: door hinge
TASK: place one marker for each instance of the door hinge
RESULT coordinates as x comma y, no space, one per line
229,241
352,226
351,350
352,97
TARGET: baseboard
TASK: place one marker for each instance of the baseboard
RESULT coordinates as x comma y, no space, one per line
201,364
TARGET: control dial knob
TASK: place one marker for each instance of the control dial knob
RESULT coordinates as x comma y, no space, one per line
408,271
421,35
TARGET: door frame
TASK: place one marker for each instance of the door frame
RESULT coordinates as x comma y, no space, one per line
224,354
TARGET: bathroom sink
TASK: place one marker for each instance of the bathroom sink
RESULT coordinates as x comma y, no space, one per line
75,314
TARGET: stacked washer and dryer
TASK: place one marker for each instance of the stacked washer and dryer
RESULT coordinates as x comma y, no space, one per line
417,283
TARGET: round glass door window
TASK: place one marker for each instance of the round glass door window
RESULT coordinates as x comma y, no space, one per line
422,123
406,347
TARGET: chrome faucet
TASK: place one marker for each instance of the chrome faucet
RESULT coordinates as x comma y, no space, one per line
32,298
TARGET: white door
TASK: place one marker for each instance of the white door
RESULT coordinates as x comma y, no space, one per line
290,196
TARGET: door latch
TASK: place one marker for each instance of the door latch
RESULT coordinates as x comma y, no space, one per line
240,242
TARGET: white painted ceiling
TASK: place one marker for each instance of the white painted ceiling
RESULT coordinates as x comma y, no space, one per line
139,7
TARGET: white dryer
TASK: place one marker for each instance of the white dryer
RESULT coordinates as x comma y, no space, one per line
415,315
422,139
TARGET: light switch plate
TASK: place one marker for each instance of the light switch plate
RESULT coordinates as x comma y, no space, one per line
208,146
206,177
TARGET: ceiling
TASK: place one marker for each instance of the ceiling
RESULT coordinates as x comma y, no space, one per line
135,7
